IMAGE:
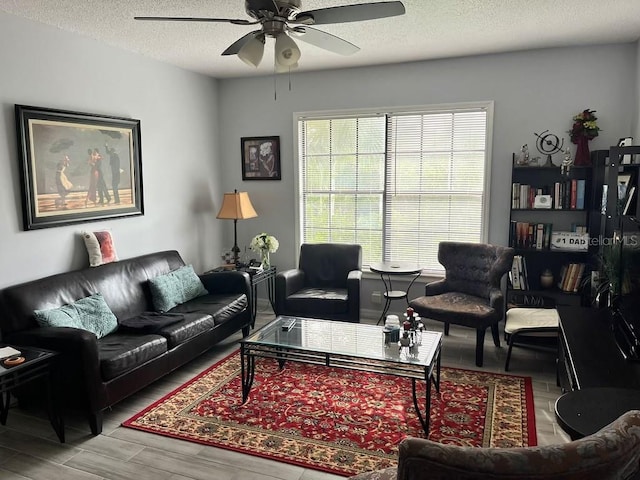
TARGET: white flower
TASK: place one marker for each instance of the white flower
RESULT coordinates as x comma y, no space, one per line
264,243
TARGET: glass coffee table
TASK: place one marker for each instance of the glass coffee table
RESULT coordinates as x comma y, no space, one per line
353,346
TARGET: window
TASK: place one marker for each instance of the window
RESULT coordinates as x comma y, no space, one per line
396,182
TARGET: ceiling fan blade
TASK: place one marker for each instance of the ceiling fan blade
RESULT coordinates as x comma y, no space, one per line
234,21
324,40
352,13
235,47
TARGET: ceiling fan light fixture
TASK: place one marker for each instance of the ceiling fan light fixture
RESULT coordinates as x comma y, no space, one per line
287,52
252,51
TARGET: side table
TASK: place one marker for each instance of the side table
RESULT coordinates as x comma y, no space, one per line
584,412
386,271
38,364
267,275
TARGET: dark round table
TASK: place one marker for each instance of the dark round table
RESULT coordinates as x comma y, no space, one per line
386,271
584,412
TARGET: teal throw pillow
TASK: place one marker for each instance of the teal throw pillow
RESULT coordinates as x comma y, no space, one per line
175,288
91,313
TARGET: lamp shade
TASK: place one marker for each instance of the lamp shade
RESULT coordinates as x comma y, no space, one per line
252,51
287,52
236,206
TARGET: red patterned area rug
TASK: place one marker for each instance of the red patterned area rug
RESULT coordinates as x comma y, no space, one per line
336,420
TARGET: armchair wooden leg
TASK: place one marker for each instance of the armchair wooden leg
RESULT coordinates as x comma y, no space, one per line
479,346
446,329
496,334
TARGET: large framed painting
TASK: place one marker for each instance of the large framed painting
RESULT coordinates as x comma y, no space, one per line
260,158
77,167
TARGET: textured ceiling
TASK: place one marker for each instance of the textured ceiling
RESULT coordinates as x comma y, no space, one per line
430,29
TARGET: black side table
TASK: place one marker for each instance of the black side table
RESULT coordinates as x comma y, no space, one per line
38,364
584,412
386,270
267,275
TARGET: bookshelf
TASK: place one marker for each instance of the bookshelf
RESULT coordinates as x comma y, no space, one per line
549,229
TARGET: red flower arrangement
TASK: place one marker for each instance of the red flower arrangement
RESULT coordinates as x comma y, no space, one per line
584,126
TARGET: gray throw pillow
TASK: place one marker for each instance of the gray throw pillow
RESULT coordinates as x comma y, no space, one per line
90,313
175,288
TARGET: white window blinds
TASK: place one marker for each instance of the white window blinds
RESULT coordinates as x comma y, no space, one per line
396,183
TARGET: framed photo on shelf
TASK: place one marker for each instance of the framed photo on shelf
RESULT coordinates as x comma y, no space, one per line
626,142
77,167
260,158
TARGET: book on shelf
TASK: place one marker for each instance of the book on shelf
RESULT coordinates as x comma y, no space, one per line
580,193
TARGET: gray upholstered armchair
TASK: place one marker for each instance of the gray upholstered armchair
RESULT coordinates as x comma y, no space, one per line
613,453
470,293
326,283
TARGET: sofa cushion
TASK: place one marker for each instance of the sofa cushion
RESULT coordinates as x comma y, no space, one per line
120,352
201,315
192,325
175,288
221,306
90,313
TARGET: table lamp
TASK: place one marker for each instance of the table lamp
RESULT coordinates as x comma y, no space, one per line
236,206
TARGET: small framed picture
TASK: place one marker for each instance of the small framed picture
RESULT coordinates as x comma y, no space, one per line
626,142
260,158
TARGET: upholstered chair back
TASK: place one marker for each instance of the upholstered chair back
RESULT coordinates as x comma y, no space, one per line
613,453
474,268
329,264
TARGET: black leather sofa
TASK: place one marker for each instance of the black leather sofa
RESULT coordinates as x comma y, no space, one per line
93,373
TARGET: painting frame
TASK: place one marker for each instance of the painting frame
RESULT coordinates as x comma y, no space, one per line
77,167
261,158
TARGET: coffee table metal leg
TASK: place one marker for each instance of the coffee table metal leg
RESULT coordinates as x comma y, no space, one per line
424,420
247,369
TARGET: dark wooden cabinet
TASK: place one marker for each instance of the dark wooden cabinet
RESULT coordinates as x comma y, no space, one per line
588,355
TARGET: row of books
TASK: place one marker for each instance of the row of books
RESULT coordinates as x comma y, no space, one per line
571,277
565,195
530,235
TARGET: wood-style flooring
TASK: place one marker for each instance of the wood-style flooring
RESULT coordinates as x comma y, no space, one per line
29,448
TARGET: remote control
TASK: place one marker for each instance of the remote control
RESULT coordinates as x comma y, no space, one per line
288,324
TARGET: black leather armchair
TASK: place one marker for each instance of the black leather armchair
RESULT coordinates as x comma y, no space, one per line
470,293
326,283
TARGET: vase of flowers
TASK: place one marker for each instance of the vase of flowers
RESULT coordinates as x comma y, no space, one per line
264,244
584,129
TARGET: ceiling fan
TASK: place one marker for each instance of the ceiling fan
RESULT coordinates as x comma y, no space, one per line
283,19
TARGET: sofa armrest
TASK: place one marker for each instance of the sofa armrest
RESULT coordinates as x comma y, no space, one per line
436,288
231,281
79,359
287,282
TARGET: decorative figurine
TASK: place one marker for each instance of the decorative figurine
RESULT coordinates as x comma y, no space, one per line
523,158
566,163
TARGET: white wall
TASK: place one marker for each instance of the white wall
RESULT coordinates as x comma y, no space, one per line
533,91
46,67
